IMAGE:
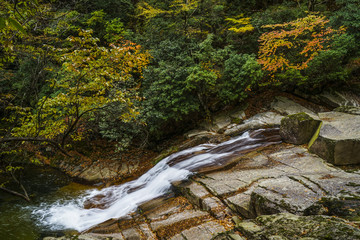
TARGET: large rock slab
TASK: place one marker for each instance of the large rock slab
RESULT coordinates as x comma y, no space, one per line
222,120
298,128
339,138
288,107
261,120
204,231
162,218
338,98
201,197
288,226
304,194
269,181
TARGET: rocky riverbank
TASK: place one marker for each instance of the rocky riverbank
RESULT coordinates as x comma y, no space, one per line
275,192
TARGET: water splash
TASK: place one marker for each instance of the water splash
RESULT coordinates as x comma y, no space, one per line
119,201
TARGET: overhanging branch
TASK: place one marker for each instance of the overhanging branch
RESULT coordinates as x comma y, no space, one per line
36,139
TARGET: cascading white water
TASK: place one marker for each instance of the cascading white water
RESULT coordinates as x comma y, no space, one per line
118,201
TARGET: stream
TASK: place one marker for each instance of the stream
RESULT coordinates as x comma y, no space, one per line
44,184
66,208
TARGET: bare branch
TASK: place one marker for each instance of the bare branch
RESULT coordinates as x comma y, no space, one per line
26,197
36,139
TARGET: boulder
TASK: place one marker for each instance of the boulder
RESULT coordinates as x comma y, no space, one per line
221,121
261,120
339,138
298,128
289,226
288,107
218,122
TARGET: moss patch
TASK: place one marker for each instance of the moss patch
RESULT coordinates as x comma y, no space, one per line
315,136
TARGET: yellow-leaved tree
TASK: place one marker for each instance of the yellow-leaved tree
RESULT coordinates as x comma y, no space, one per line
91,78
240,24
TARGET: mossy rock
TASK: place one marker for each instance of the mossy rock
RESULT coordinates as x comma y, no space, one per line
298,128
345,207
289,226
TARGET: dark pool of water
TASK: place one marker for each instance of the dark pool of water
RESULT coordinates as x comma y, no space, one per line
45,185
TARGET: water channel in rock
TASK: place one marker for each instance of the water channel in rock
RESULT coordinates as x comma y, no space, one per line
60,204
118,201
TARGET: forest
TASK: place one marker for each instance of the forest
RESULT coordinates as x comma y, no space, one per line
132,73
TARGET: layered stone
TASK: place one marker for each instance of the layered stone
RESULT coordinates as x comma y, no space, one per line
339,138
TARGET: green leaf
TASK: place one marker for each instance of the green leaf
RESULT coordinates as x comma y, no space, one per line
16,25
2,22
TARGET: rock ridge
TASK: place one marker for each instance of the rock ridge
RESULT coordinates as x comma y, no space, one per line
275,192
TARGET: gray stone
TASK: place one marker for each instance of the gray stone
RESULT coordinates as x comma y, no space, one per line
162,208
289,226
298,128
297,160
201,197
240,203
293,181
205,231
221,122
98,173
337,99
132,234
197,132
185,215
215,207
339,138
218,122
147,232
283,194
237,115
204,137
261,120
178,237
288,107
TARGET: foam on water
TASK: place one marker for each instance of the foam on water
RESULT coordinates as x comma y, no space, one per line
119,201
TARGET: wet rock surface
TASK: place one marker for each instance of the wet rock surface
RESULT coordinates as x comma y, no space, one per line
295,188
165,218
274,192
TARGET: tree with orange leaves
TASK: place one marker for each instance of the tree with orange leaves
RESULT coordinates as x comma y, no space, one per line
293,45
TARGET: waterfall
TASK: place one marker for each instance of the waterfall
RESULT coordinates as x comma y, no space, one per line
120,200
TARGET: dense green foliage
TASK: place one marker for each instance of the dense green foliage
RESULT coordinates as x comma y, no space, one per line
136,71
